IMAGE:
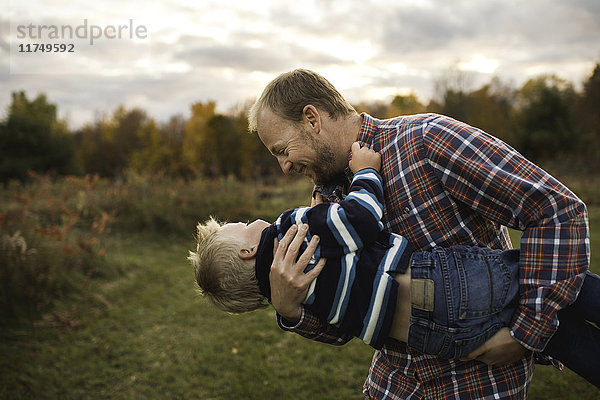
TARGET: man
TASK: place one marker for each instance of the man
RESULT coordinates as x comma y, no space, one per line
445,183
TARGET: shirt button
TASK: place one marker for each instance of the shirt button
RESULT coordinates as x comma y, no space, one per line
406,210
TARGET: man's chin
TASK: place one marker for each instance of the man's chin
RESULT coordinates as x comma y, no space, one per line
322,179
310,174
313,178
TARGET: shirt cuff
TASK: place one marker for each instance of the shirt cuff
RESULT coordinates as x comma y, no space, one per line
533,334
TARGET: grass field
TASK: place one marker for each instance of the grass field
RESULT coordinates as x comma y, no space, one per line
147,335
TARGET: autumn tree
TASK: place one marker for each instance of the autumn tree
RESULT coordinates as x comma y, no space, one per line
377,109
152,155
490,108
405,105
451,90
173,133
106,146
195,139
124,136
588,114
544,118
222,149
32,138
255,159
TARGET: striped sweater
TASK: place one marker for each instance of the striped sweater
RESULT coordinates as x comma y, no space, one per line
356,290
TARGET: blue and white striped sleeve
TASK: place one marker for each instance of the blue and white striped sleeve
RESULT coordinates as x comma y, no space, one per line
346,226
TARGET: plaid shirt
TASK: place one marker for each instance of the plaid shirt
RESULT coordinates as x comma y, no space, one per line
447,183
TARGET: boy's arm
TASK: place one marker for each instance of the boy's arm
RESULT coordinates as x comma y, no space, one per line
344,227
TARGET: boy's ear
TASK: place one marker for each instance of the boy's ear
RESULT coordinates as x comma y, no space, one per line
248,253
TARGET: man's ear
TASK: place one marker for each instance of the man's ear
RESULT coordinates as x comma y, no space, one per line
248,253
311,115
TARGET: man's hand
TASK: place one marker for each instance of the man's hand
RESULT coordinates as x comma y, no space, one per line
289,283
364,158
500,349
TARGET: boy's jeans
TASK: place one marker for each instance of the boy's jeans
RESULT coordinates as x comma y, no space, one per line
461,296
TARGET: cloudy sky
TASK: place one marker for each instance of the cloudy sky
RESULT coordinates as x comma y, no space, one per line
163,56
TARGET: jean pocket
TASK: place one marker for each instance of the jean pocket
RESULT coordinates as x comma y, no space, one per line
485,281
464,347
430,338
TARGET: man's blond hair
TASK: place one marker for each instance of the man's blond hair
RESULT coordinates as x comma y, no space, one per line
290,92
228,281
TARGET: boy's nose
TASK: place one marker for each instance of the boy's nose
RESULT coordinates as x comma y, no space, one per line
258,224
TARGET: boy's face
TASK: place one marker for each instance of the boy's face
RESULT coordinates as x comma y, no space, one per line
246,234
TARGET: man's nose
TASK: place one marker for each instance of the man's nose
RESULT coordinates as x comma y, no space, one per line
285,165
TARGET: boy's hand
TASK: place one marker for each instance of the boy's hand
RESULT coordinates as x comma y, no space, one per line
317,199
363,157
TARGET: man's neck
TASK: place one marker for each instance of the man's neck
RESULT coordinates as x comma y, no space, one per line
347,130
352,126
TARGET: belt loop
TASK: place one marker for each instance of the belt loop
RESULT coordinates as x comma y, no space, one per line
421,259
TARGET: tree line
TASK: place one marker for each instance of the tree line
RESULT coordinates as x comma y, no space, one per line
546,118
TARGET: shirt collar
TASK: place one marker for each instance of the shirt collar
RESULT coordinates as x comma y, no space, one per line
367,130
264,259
365,136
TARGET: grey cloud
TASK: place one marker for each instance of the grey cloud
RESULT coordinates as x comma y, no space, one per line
524,37
591,7
491,23
347,18
231,56
276,57
422,30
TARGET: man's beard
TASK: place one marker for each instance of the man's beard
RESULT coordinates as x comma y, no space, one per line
324,168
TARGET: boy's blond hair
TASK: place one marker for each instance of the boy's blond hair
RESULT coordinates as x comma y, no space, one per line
228,281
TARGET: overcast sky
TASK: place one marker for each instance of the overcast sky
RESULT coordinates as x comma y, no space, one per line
173,53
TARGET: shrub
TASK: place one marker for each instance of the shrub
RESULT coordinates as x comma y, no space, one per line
49,244
55,233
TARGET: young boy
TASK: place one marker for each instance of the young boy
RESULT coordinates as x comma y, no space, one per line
375,286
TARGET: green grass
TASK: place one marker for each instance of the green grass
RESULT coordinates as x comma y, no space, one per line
146,335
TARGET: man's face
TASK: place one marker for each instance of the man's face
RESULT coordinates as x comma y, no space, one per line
296,147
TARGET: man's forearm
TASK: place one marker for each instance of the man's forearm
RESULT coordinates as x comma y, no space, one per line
545,291
311,327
